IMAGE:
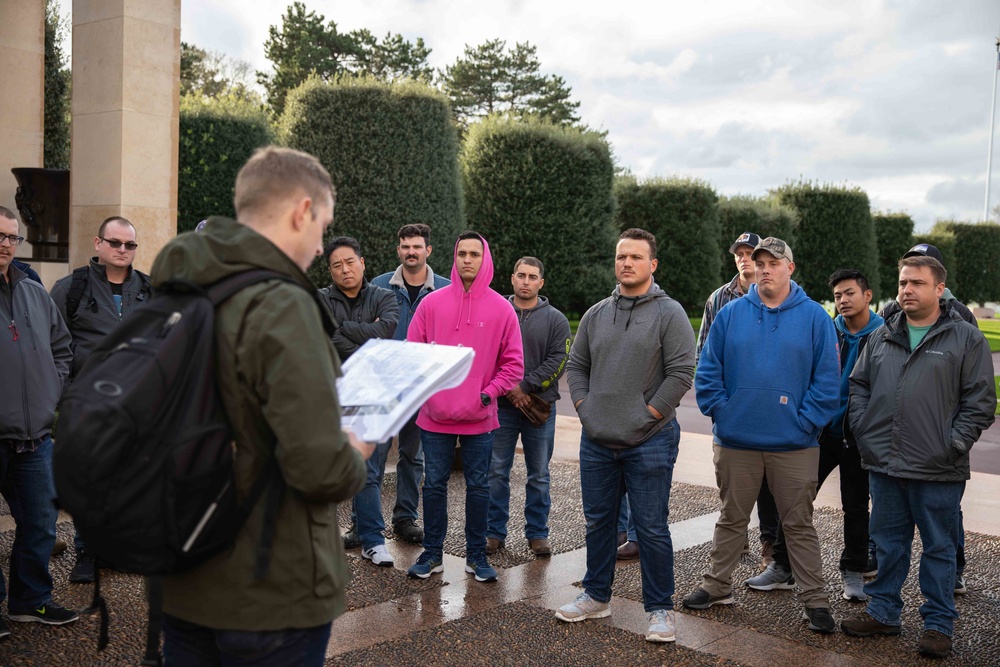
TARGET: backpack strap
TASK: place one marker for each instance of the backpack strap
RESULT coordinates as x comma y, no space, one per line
145,286
77,287
154,594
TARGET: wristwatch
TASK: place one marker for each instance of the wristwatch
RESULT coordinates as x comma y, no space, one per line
485,399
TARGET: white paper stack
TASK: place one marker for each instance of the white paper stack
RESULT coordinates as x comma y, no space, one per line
386,381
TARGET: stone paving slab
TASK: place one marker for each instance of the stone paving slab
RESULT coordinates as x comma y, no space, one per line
518,634
777,613
567,528
372,585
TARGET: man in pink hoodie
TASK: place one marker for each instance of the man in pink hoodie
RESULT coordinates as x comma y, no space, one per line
468,313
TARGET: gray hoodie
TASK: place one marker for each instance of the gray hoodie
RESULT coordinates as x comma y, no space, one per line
630,352
35,356
545,335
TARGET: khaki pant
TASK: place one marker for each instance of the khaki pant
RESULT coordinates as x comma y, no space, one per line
792,479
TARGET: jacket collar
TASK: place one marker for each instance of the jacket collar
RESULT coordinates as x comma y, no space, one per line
398,281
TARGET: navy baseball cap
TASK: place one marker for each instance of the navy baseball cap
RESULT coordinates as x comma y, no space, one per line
746,238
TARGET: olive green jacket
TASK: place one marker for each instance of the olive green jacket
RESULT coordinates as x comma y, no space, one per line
277,373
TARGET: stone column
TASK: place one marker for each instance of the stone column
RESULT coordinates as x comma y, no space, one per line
22,100
126,76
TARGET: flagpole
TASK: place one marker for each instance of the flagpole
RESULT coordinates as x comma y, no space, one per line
989,153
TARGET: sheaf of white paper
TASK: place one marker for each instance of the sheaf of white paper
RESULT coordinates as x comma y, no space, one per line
386,381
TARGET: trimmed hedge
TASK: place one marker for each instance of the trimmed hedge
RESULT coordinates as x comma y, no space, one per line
534,188
216,138
392,151
765,217
894,235
835,232
684,216
977,247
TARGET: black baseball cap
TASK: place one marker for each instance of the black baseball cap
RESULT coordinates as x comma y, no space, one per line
925,249
746,238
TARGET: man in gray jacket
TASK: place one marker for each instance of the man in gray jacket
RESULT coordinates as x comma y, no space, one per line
545,336
93,300
35,356
921,394
631,362
362,312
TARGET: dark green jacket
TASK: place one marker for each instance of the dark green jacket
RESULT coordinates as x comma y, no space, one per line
277,375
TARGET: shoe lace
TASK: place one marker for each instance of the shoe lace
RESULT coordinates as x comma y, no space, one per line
659,616
426,558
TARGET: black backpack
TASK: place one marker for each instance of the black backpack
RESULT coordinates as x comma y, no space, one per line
144,450
78,285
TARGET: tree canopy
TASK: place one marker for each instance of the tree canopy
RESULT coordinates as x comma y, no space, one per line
492,79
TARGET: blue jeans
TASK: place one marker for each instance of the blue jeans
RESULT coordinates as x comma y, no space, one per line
27,486
439,454
647,471
897,505
367,505
537,443
189,645
409,472
625,523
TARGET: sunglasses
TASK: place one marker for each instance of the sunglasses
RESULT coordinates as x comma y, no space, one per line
129,245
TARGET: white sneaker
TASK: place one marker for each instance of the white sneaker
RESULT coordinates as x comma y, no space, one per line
379,555
661,626
582,608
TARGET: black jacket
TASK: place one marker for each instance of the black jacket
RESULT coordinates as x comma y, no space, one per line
374,315
916,414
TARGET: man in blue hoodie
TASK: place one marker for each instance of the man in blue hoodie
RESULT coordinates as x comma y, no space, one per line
837,446
769,379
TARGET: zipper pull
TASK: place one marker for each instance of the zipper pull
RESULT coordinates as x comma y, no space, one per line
13,330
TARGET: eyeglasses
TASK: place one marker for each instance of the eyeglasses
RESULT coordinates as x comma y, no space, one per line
14,239
129,245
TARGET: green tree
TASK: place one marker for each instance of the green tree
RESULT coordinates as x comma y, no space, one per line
492,79
307,43
57,91
214,75
765,217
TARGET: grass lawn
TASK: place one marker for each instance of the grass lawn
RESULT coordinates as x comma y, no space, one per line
991,329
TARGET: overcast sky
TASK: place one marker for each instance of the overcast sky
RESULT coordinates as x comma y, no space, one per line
892,96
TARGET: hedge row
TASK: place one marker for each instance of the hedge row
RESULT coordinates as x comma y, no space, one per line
835,232
392,151
764,217
216,137
533,188
683,214
977,247
894,236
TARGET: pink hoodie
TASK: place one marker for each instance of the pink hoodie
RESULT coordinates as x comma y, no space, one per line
485,321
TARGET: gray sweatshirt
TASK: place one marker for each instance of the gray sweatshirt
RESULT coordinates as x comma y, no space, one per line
545,336
630,352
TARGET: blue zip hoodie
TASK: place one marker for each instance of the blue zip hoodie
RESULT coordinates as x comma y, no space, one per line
769,377
850,348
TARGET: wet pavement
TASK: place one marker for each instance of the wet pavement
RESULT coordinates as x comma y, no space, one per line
453,620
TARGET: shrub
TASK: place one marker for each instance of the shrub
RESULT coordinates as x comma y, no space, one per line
894,235
392,151
534,188
217,135
684,216
765,217
977,247
835,232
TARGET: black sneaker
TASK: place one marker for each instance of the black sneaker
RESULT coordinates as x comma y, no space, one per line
820,620
351,539
4,630
702,599
871,568
83,571
409,531
49,613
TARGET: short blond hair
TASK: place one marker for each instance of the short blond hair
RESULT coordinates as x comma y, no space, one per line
273,173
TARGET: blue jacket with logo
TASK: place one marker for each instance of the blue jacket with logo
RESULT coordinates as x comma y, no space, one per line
769,377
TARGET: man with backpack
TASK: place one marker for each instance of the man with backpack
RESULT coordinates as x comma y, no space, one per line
93,300
35,356
276,372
